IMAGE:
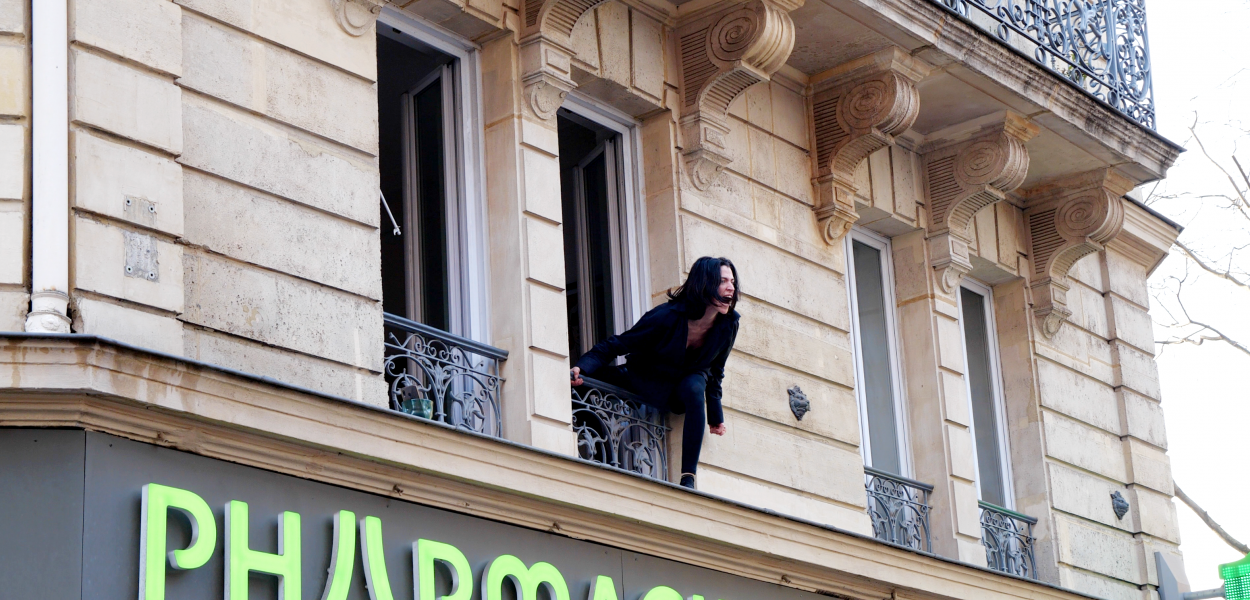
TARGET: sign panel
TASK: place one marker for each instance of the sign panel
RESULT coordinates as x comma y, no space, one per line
159,523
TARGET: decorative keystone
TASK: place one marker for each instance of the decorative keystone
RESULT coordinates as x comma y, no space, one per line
723,54
356,17
547,54
856,111
963,178
1066,221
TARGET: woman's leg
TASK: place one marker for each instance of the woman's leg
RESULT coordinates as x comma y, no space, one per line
691,394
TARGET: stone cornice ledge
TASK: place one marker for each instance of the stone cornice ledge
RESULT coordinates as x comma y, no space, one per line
97,384
1150,152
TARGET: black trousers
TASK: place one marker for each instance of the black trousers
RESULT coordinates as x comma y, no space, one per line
689,397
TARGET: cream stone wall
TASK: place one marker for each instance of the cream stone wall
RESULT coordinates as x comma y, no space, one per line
126,262
795,321
223,142
280,128
1101,425
14,163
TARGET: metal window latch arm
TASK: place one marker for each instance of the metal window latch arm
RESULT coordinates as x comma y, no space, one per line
390,214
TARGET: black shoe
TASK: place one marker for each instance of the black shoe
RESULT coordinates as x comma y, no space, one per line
687,480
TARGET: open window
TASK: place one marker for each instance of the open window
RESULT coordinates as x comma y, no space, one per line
601,261
437,365
878,385
419,160
985,394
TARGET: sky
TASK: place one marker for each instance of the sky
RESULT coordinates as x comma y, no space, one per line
1201,65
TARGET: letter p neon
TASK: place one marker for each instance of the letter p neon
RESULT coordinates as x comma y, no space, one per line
157,499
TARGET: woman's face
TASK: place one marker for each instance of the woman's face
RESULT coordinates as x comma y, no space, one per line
725,289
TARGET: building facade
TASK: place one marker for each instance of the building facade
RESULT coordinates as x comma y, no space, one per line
338,255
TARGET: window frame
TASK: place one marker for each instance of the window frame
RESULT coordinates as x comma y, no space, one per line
902,426
472,251
996,384
632,283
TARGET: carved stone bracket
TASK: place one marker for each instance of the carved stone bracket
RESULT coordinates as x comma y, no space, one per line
856,111
723,54
964,177
356,17
1066,221
546,52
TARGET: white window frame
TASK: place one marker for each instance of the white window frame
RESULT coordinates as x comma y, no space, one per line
633,282
882,244
996,381
471,184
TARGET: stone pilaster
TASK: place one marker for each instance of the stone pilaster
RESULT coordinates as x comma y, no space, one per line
964,177
857,109
1067,220
722,54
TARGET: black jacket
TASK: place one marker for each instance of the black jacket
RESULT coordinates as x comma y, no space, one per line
655,351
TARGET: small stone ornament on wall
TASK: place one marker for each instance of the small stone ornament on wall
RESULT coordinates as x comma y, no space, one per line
1119,505
799,404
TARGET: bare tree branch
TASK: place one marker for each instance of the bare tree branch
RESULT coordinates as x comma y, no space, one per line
1203,332
1206,518
1225,275
1240,202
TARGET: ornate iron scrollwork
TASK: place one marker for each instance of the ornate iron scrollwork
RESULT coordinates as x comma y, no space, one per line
1008,540
442,377
615,428
899,509
1099,46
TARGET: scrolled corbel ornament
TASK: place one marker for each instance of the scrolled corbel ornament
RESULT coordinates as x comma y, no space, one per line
356,17
964,176
1066,221
544,98
857,109
723,54
546,52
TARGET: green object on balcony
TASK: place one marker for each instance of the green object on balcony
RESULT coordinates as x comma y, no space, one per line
1236,578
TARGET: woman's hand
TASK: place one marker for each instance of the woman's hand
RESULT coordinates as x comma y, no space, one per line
718,429
575,376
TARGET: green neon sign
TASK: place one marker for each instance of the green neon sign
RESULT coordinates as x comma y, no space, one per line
1236,578
241,560
157,500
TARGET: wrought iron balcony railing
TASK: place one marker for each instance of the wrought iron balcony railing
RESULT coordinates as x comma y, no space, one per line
615,428
1099,46
899,509
1008,539
435,375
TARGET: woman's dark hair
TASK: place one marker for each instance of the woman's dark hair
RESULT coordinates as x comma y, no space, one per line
700,289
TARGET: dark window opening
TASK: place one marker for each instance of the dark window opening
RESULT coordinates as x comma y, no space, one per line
417,129
591,193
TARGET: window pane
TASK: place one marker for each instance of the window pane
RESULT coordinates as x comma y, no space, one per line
431,206
599,253
981,388
874,341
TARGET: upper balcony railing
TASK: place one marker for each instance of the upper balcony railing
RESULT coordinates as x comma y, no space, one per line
1099,46
899,509
615,428
435,375
1008,539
